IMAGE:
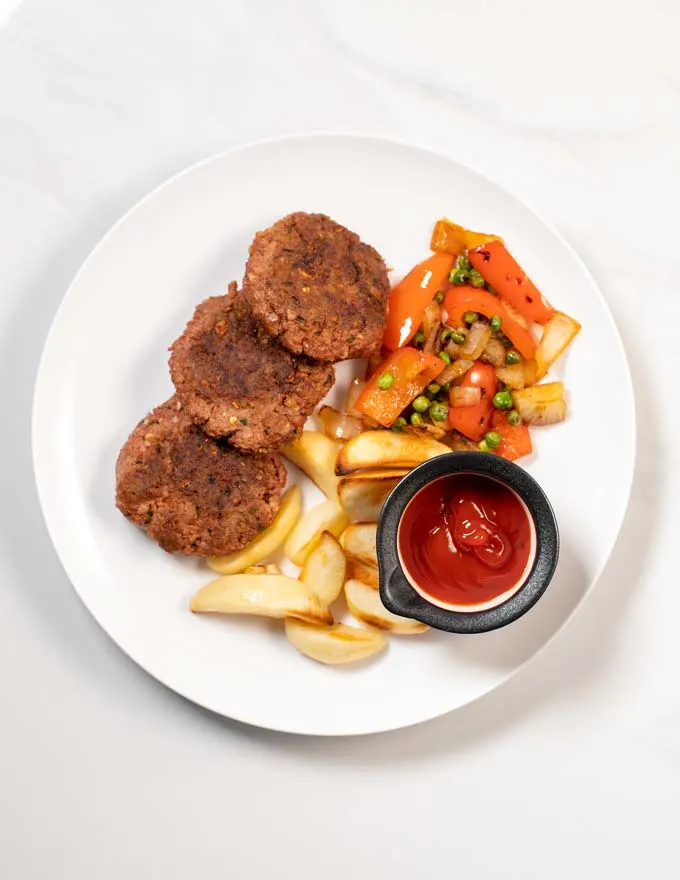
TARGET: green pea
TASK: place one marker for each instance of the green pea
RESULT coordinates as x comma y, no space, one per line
496,323
421,404
446,387
419,338
493,440
504,339
398,424
457,276
439,297
476,279
439,412
512,357
417,419
458,337
502,400
463,263
445,356
385,381
433,388
470,317
483,446
445,335
491,290
514,417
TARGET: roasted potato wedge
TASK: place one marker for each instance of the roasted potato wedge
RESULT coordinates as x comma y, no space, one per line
558,334
362,571
264,595
362,495
384,449
325,569
315,455
334,645
325,517
267,541
358,541
364,603
546,393
541,404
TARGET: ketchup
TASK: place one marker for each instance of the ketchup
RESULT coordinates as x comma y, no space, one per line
466,540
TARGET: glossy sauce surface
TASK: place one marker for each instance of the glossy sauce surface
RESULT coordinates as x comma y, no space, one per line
466,540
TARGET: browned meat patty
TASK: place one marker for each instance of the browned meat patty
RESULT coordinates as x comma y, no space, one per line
236,381
192,494
318,288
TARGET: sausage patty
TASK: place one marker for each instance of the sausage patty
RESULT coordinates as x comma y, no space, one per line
236,381
192,494
318,288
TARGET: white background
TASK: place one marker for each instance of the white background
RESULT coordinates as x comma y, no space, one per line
573,768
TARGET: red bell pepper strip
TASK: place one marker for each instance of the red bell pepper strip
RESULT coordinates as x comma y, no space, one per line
498,267
515,439
472,299
411,371
407,301
473,421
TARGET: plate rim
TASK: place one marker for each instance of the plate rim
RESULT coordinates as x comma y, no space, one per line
39,464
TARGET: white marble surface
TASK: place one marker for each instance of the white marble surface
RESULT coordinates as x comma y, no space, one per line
573,768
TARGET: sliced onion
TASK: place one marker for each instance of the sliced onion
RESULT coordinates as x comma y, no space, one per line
431,341
374,363
465,395
475,341
431,316
513,376
355,390
454,371
353,393
339,426
494,353
458,443
453,350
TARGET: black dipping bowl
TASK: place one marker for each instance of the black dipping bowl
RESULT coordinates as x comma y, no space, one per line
400,597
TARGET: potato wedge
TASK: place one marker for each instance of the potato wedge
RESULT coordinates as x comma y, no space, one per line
334,645
541,404
362,571
362,495
267,541
325,569
315,455
264,595
558,334
546,393
358,541
325,517
364,603
385,449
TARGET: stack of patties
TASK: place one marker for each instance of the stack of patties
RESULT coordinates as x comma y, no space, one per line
200,473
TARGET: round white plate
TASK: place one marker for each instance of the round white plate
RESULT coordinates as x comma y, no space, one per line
105,365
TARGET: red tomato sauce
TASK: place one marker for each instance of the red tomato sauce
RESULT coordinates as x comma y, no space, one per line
466,540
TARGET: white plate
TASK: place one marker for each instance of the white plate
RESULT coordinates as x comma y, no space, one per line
105,365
